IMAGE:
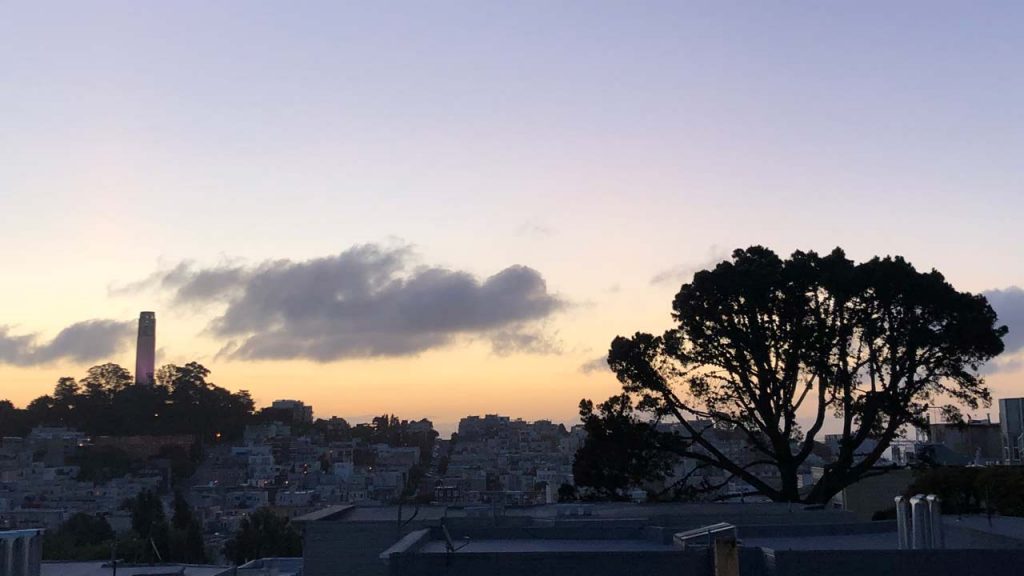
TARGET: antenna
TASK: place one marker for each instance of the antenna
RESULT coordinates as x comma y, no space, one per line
449,544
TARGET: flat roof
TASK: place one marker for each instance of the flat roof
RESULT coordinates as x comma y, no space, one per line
100,568
1009,526
515,546
875,541
596,511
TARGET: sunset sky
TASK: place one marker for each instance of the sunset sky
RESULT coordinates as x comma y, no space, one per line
436,209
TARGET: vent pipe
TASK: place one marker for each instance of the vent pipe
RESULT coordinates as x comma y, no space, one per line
921,526
919,522
903,522
935,515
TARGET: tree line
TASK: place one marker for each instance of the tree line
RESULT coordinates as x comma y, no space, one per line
106,401
152,538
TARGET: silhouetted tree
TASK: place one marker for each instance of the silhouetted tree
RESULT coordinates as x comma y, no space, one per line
263,534
13,422
567,493
620,452
66,390
186,537
86,529
106,402
106,379
759,338
81,537
149,522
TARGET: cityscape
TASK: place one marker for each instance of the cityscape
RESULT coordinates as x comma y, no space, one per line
511,288
285,463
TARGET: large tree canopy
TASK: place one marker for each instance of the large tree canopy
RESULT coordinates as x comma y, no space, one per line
762,343
107,402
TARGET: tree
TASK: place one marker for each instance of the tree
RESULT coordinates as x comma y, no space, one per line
66,390
567,493
105,402
81,537
65,400
186,536
85,529
12,420
106,379
621,452
759,340
263,534
150,522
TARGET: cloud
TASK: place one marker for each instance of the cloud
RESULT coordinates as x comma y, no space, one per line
86,341
189,284
1009,305
685,272
534,229
366,301
596,365
507,342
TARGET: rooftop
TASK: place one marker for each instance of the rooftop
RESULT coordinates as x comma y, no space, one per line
546,545
102,568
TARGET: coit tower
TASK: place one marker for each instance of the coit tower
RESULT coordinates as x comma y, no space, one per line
145,351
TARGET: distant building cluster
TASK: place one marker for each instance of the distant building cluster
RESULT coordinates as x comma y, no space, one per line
494,459
40,484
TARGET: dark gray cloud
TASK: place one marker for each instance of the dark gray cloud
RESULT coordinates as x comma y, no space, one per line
1009,305
198,286
189,283
596,365
507,342
86,341
684,273
367,301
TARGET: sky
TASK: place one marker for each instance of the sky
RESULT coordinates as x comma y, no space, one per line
436,209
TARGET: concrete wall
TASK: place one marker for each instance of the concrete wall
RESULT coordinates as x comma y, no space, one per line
348,548
343,548
874,494
551,564
896,562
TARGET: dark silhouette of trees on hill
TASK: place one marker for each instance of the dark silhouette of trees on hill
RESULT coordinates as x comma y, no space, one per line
263,534
107,402
81,537
152,537
759,339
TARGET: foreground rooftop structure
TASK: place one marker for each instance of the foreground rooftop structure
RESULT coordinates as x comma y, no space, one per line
20,552
599,539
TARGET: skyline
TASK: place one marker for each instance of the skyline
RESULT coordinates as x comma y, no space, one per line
608,150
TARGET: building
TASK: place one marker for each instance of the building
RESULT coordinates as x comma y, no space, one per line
145,350
746,546
300,413
976,440
355,536
1011,424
